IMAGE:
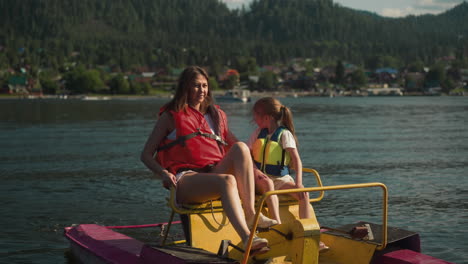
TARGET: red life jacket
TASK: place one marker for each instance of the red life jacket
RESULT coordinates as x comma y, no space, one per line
195,146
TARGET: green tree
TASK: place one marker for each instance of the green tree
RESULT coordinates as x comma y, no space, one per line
48,86
80,81
145,88
93,82
436,76
267,81
213,84
339,73
246,65
135,88
447,85
119,85
231,82
390,61
359,79
179,32
373,63
417,66
74,81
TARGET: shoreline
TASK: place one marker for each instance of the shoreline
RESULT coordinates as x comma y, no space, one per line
254,94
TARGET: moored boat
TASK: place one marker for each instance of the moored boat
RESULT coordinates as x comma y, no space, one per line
235,95
211,239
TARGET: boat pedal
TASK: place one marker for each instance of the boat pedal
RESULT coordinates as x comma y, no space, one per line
288,236
263,229
223,250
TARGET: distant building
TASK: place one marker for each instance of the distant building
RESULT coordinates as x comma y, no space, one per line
386,75
464,75
176,71
148,74
17,84
327,73
384,91
414,82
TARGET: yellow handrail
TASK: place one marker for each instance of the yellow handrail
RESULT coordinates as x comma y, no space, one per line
323,188
319,183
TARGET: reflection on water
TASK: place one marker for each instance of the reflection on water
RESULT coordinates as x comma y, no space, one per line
71,161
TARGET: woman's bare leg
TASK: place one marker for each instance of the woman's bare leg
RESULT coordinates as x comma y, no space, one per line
202,187
238,162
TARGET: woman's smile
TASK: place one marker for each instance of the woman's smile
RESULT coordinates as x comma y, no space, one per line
198,91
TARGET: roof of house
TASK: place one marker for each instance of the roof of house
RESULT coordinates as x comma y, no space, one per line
387,70
18,80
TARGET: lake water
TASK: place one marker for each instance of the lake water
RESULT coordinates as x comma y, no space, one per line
66,162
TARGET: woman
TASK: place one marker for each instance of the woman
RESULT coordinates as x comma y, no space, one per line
197,153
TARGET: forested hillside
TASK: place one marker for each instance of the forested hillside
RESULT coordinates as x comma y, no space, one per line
157,33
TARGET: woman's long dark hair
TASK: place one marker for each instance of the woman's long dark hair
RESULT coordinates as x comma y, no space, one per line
180,100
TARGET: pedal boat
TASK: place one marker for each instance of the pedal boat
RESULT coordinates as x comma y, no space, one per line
210,238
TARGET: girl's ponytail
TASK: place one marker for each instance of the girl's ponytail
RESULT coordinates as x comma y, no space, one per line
287,120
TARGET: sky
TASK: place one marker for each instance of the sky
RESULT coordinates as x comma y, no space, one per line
388,8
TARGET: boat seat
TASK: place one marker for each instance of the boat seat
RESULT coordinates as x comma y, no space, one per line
216,205
209,220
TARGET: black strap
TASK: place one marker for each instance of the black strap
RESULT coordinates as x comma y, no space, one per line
283,157
215,137
182,139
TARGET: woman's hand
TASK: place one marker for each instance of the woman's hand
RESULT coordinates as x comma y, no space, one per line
168,179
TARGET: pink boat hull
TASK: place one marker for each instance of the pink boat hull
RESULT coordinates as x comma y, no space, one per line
94,244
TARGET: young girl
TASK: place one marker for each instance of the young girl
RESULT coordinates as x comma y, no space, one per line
273,146
274,149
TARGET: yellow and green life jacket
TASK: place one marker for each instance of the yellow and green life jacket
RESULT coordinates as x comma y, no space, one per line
269,156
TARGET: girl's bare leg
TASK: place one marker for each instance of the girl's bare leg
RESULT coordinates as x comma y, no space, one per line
305,210
303,198
202,187
264,184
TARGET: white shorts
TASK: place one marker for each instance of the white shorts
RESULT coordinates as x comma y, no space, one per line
278,182
182,173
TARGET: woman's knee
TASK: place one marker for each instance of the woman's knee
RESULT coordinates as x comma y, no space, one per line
228,180
241,147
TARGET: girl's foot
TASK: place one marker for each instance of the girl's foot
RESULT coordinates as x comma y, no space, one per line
323,248
263,222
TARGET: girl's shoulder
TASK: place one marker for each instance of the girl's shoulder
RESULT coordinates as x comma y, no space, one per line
287,132
287,139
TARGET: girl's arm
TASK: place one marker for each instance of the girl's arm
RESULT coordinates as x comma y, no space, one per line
297,164
231,139
163,127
